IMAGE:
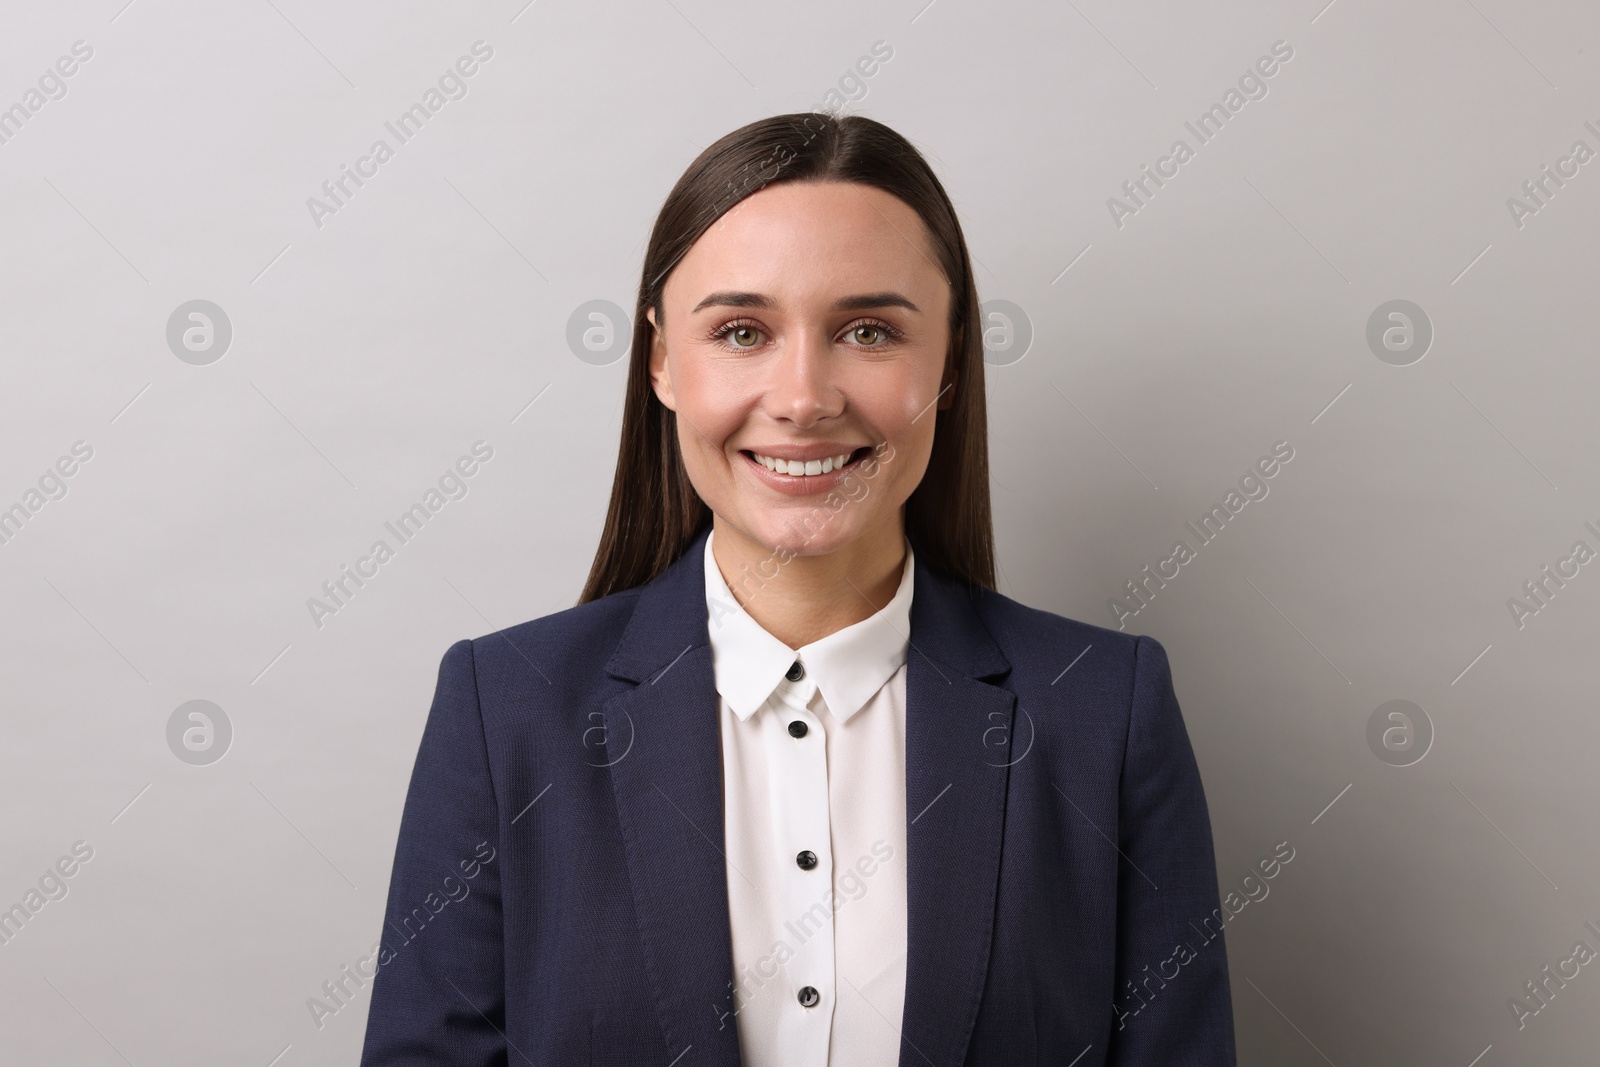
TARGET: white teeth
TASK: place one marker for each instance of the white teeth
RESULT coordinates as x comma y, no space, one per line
799,468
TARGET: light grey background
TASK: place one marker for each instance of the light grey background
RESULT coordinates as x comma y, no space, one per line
1169,353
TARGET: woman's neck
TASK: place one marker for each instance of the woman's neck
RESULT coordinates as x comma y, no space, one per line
800,599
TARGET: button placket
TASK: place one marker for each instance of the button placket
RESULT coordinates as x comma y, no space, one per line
796,748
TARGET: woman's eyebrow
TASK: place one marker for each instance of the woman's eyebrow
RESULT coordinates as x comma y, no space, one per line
874,300
730,298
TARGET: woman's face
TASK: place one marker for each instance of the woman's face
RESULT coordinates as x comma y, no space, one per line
808,323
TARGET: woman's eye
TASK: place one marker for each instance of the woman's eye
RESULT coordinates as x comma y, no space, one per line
737,335
874,335
864,335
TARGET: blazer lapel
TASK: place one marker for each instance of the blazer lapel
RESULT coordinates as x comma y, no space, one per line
663,741
958,757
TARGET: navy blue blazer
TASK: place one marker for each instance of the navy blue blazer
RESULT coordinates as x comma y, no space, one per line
559,889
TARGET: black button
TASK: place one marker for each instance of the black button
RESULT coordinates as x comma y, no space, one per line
809,996
795,672
806,860
797,729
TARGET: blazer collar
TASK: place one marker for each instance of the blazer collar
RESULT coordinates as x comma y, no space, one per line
663,743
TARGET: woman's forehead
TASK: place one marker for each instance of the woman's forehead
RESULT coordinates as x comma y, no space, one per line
812,243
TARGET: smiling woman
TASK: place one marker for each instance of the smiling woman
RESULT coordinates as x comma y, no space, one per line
833,339
789,660
821,312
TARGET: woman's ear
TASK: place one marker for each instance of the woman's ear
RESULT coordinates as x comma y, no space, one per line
660,373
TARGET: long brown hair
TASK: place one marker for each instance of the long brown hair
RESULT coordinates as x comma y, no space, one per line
655,513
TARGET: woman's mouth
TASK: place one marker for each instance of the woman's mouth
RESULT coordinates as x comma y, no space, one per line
794,477
808,468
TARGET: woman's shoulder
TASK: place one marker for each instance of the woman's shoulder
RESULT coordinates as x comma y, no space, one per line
1022,626
1040,642
576,641
1093,676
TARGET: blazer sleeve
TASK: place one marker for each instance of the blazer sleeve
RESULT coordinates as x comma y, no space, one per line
438,996
1172,1004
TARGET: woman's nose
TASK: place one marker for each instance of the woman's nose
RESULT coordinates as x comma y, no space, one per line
803,385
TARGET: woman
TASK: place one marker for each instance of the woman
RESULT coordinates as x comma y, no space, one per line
793,783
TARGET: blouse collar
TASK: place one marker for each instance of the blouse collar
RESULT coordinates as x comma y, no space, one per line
848,665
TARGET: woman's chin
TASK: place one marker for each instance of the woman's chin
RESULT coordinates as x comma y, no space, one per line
804,531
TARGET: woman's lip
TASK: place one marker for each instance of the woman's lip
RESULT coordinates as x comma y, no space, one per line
801,484
820,450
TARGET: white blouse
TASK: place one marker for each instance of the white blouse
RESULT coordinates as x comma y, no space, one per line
814,805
